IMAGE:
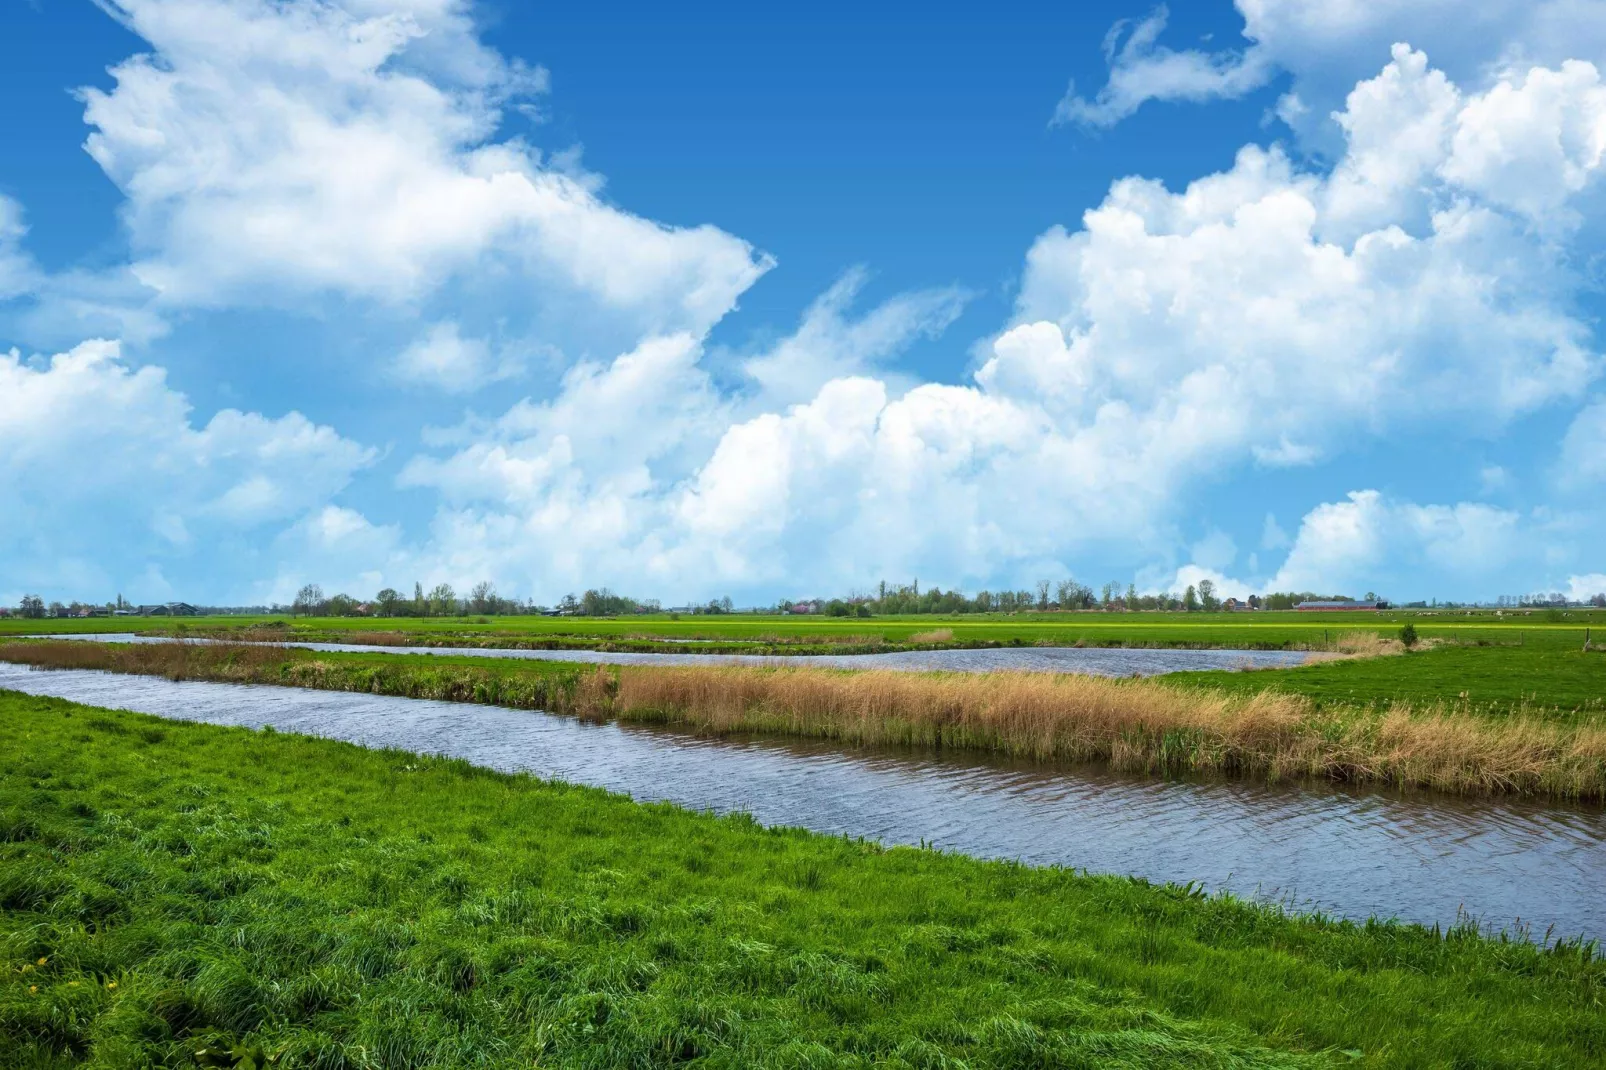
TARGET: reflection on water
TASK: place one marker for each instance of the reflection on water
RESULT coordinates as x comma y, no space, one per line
1420,858
1094,661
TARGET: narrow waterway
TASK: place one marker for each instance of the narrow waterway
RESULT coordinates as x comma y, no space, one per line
1092,661
1424,858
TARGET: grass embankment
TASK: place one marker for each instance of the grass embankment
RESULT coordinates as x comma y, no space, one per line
1134,725
168,888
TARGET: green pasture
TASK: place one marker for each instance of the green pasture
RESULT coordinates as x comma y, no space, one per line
175,894
1544,677
1221,630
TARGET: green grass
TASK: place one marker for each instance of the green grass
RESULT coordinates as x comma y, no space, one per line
1222,630
168,887
1543,679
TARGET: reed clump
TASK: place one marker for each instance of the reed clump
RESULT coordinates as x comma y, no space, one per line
936,635
1368,645
1134,725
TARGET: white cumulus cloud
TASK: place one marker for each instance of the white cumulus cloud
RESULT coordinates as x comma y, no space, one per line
273,150
103,474
1326,47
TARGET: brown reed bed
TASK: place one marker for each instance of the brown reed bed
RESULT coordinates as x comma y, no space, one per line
1133,725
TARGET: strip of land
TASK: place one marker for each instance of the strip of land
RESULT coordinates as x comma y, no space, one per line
801,635
1226,725
168,888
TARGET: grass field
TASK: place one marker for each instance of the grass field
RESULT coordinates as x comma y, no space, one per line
791,634
1343,720
1542,677
169,888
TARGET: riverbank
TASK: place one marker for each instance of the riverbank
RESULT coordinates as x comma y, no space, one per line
169,887
1132,725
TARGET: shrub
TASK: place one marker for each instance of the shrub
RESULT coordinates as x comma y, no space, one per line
1408,635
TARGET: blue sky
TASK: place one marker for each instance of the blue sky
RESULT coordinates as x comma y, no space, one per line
783,302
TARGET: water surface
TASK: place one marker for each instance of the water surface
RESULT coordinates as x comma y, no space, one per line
1423,858
1093,661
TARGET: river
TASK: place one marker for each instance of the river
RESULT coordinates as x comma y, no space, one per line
1093,661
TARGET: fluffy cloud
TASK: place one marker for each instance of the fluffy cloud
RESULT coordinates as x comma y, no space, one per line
1356,543
16,270
158,489
1406,285
1583,588
442,359
271,150
1583,450
1327,47
1142,70
1372,542
829,345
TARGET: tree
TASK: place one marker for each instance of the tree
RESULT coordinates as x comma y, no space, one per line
387,600
1207,596
341,605
420,607
443,600
1073,595
32,607
1599,600
1131,596
1190,600
309,600
1408,635
1042,594
483,597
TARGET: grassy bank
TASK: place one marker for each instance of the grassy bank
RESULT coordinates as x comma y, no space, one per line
168,888
1134,725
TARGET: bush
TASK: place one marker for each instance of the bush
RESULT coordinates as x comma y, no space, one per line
1408,635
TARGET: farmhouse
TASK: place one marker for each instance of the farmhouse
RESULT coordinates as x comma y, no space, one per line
168,609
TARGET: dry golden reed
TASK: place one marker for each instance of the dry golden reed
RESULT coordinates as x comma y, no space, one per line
1135,725
936,635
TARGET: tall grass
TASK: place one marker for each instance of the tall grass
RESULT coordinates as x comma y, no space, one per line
1134,725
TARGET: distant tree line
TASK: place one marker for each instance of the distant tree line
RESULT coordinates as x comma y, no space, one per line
1063,595
1045,596
442,600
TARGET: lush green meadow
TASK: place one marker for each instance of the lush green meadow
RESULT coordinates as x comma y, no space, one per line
1545,676
169,888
